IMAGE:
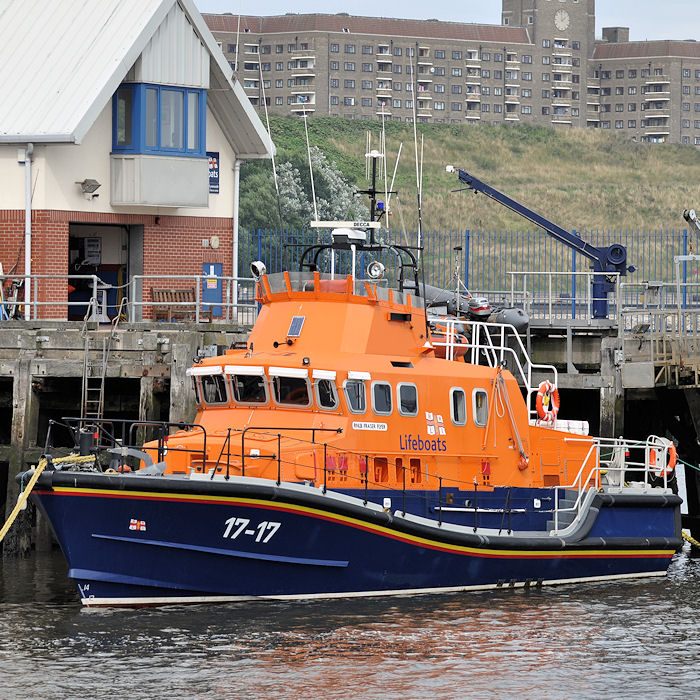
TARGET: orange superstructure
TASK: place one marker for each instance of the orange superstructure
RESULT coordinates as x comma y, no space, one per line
341,384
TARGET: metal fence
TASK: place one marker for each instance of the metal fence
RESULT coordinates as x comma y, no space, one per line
484,260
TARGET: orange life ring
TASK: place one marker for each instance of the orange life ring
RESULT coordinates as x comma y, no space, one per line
547,402
656,463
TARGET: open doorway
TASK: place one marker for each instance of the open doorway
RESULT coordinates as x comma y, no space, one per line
101,250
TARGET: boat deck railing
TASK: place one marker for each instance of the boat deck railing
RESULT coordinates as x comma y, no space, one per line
613,465
494,345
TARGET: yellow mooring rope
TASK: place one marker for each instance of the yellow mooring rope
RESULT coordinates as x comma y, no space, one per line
691,539
25,494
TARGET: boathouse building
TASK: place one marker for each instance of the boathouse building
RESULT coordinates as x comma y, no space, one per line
120,146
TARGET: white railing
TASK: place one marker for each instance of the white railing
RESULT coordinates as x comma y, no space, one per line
492,345
237,303
16,307
53,298
537,293
614,465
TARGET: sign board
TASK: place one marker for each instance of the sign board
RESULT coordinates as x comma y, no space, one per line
213,171
93,251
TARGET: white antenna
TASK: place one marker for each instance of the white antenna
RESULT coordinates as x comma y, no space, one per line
393,177
386,184
238,39
368,148
311,171
272,150
420,186
415,148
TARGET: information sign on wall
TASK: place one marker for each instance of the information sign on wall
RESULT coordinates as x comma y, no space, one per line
213,171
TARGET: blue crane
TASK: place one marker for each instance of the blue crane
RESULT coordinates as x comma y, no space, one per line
610,259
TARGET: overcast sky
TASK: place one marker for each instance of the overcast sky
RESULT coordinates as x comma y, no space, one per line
647,19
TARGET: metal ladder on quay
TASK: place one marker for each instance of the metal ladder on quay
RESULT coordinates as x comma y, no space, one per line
97,347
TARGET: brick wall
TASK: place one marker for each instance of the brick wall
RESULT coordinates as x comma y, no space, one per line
173,246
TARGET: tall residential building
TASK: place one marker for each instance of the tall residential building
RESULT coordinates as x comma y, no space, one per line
541,65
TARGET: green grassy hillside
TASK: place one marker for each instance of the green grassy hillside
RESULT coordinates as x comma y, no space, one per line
581,179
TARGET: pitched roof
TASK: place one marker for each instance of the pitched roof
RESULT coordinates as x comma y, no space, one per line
63,60
414,28
644,49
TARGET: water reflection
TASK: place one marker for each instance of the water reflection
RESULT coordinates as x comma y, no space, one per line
632,638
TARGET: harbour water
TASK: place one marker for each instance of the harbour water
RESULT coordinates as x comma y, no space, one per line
621,639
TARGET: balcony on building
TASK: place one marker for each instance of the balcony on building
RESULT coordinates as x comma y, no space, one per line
657,97
423,58
473,94
473,112
473,59
658,80
512,59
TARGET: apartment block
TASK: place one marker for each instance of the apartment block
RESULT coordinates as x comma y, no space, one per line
541,65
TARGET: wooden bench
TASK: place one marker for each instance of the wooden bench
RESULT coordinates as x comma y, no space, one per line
176,305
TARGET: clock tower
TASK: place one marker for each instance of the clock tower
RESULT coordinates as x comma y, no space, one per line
573,20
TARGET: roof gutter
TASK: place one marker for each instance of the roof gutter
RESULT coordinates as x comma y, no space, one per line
38,138
28,230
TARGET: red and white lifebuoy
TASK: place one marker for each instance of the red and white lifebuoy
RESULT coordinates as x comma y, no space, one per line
661,456
547,402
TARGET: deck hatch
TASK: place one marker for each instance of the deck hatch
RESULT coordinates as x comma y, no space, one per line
295,326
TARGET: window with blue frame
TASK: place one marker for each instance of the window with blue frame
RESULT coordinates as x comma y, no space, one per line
159,119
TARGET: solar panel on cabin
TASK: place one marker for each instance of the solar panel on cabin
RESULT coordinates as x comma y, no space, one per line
295,326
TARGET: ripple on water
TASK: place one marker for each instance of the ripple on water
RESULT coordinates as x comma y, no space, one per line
638,638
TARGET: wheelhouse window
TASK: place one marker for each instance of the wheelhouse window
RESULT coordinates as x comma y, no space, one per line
290,390
381,398
249,389
213,389
458,406
355,395
210,385
326,394
408,399
481,407
248,384
159,119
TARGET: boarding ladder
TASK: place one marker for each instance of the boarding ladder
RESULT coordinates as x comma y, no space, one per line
95,358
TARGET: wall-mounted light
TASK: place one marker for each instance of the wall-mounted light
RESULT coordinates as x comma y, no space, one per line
88,185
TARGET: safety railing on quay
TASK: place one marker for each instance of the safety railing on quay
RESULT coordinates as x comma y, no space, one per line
87,298
664,328
43,303
193,298
541,296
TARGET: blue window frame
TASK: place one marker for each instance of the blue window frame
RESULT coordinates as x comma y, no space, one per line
159,119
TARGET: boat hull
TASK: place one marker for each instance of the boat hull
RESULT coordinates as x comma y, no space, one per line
133,540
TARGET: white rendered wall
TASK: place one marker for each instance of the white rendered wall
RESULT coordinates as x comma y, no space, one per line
56,169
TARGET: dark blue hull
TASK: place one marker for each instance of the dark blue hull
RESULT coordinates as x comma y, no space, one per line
135,540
